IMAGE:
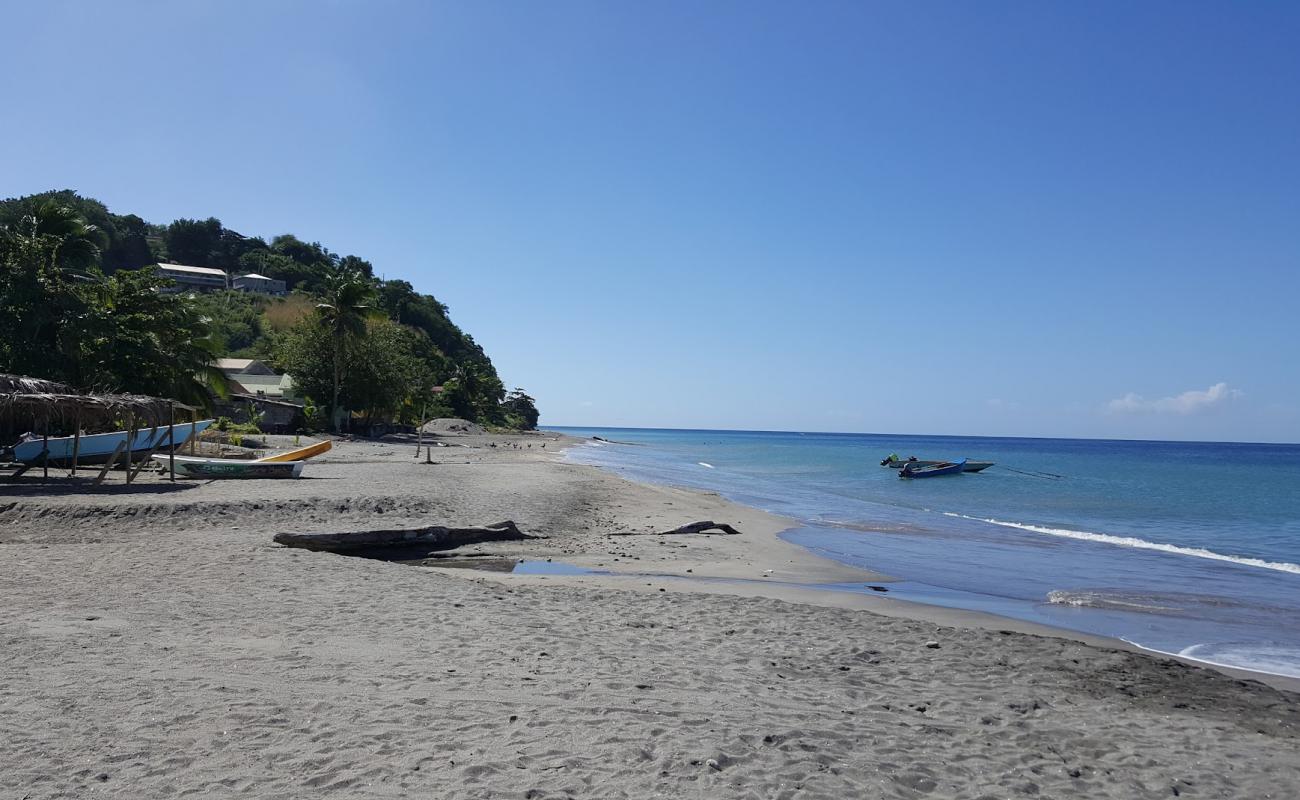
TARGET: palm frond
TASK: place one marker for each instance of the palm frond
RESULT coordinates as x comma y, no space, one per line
21,384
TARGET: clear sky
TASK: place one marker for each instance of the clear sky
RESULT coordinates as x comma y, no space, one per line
1007,218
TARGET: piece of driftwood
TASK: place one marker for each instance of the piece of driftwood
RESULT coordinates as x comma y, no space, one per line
434,537
708,526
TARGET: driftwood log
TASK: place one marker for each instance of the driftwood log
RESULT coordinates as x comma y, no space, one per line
708,526
434,537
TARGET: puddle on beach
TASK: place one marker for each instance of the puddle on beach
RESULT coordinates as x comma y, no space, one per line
489,564
513,565
554,568
529,567
421,557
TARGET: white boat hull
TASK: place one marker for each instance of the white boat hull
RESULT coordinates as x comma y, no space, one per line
195,467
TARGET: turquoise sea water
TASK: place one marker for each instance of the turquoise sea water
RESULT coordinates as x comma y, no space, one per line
1188,548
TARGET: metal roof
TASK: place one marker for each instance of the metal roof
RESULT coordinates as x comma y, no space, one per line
215,273
234,363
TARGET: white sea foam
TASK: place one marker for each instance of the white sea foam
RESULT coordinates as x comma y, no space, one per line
1269,659
702,464
1117,601
1141,544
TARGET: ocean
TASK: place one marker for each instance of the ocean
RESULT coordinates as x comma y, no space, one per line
1185,548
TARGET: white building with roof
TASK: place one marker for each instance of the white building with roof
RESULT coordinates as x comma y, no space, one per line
187,278
251,377
272,387
259,284
244,366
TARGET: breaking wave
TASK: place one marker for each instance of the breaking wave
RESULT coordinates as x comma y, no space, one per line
1141,544
1266,657
1115,601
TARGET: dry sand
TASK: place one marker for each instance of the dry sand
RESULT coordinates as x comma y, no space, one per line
154,643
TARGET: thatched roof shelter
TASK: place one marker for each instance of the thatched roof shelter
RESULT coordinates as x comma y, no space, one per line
21,384
46,402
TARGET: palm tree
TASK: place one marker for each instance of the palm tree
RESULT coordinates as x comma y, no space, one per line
142,340
193,376
346,304
71,243
51,254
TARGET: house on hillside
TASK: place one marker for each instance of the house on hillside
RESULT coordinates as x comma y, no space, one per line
244,366
255,387
193,279
259,284
274,416
252,377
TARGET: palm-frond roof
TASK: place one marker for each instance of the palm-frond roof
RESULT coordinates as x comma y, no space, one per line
21,384
45,401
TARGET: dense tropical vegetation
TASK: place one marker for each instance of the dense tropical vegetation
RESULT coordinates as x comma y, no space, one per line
80,303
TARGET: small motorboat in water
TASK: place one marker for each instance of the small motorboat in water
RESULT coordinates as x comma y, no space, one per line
933,470
894,462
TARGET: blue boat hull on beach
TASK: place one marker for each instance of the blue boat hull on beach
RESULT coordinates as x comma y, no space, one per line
1184,548
96,448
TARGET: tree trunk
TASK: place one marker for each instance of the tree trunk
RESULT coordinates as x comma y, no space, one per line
432,537
334,406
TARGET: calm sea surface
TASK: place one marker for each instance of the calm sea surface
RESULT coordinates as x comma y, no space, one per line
1188,548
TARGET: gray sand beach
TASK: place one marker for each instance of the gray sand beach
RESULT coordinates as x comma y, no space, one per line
155,642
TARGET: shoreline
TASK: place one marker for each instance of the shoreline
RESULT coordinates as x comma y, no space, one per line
156,640
798,591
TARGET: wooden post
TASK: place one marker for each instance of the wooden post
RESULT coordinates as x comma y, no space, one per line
171,437
76,442
419,435
45,457
130,445
147,458
109,463
194,429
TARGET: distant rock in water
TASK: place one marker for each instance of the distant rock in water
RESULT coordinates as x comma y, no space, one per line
452,425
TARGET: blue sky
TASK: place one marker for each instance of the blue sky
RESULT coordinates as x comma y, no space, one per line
1020,218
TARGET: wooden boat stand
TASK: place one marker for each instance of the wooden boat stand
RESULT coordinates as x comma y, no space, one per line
123,449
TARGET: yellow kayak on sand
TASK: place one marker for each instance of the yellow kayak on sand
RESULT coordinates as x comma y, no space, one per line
301,454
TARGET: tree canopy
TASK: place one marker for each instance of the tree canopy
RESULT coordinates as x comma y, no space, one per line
77,305
62,318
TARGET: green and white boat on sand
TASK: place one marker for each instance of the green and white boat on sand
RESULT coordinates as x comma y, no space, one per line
196,467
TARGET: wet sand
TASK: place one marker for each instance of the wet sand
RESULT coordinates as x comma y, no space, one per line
154,642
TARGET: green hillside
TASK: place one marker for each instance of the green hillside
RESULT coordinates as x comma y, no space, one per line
79,303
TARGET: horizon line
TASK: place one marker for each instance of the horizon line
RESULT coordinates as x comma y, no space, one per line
916,435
